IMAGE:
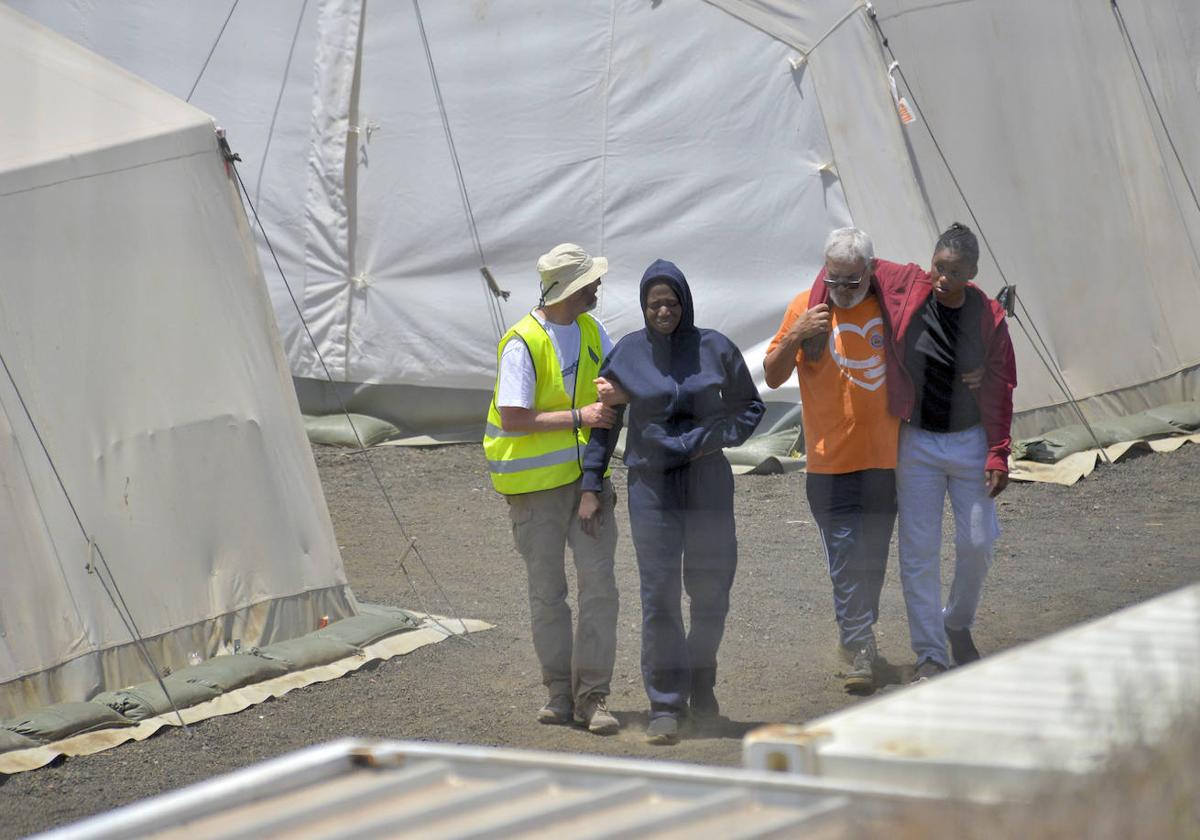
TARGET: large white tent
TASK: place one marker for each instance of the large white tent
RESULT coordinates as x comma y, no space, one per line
153,465
727,135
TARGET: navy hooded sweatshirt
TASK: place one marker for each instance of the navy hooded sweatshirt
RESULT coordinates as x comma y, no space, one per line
690,393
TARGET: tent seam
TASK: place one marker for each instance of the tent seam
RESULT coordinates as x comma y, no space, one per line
612,30
75,178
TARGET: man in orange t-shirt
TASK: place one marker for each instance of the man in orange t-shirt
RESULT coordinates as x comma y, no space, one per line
850,438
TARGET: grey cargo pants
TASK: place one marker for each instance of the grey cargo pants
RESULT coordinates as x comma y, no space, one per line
544,523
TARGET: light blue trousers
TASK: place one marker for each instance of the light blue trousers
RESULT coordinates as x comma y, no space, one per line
930,465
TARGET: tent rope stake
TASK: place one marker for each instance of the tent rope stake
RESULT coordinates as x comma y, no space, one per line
231,161
1044,355
110,587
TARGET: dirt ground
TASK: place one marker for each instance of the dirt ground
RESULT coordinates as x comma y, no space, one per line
1068,554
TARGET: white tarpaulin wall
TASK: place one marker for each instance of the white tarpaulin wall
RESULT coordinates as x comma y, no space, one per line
649,129
139,336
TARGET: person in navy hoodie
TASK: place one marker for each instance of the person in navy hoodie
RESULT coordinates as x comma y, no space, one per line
686,394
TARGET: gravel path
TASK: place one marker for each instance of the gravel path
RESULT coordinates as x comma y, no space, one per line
1126,534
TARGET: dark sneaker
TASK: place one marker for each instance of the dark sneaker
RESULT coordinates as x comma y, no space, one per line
704,706
663,731
860,676
928,669
593,713
557,710
962,647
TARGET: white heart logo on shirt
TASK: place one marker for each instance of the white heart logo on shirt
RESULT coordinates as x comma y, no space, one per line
872,367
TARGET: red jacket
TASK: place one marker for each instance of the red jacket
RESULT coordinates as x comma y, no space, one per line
902,291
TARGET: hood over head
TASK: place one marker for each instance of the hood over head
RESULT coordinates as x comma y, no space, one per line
665,271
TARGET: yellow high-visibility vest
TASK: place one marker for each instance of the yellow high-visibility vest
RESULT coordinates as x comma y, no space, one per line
522,462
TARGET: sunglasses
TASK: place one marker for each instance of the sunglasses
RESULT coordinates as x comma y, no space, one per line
847,281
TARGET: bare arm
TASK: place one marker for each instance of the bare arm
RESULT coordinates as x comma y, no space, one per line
781,361
516,419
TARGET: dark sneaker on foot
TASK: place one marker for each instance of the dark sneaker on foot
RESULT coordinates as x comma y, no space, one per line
928,669
860,676
962,646
593,713
703,706
557,710
663,731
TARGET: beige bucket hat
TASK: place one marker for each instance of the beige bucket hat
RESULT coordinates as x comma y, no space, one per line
566,269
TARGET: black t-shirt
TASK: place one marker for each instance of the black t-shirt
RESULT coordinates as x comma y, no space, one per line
942,344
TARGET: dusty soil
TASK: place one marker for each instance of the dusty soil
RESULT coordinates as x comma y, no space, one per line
1124,535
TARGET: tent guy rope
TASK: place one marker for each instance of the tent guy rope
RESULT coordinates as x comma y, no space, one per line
494,293
110,587
1154,100
231,161
212,50
1044,355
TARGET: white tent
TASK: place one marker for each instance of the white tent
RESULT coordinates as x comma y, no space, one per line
729,136
151,450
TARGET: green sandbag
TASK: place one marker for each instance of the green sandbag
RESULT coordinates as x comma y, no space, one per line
225,673
1183,416
10,740
363,630
65,719
334,430
306,652
1057,444
769,454
146,700
189,686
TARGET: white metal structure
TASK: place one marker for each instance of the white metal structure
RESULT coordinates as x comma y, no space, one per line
729,136
144,372
1005,725
367,789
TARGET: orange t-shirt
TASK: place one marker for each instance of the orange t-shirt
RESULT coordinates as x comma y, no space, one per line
843,395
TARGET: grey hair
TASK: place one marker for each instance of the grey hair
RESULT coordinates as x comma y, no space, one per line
849,244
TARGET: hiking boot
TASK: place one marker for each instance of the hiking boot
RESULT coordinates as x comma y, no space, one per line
593,713
926,669
557,710
860,676
663,731
962,647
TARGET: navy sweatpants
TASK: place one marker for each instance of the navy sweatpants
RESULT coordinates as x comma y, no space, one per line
683,532
856,513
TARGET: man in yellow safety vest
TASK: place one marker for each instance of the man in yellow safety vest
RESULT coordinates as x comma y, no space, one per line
543,410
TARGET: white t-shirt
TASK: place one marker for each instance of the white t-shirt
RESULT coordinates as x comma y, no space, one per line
518,380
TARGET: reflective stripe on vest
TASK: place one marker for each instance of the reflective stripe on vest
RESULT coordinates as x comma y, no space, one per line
550,459
524,462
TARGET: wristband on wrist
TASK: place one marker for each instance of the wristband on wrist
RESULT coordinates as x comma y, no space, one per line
576,418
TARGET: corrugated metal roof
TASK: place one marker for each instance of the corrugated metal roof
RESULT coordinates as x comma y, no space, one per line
367,789
999,727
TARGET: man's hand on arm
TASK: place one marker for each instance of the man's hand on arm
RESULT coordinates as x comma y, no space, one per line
598,416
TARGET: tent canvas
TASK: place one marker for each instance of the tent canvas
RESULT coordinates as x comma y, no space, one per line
143,369
729,136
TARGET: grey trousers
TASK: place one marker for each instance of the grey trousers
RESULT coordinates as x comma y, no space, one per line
544,523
